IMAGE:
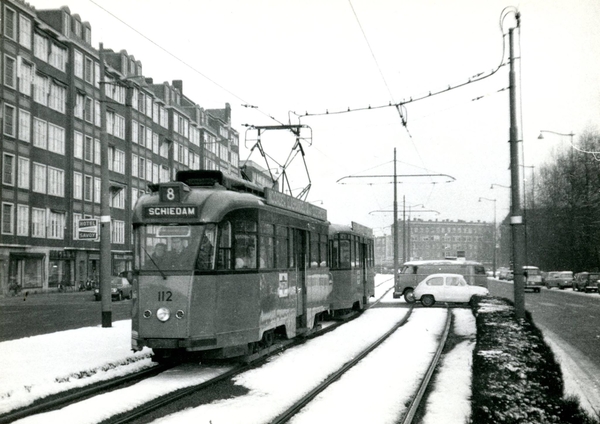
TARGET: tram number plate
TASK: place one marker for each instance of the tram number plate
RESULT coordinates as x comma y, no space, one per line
165,296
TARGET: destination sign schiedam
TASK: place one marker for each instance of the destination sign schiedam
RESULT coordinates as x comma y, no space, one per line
171,212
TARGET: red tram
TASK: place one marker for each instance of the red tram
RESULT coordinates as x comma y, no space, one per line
222,266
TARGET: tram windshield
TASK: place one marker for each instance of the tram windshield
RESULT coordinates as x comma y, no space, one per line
167,248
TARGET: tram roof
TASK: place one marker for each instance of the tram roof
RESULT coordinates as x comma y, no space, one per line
210,195
354,228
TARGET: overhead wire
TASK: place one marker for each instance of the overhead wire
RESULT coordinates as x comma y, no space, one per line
473,79
244,102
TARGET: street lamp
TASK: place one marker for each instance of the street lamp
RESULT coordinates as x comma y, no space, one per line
541,136
571,134
498,185
494,234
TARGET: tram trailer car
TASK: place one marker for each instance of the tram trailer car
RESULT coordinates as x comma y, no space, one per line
221,267
352,266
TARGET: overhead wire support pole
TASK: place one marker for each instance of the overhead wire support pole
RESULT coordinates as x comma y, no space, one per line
395,223
516,218
105,251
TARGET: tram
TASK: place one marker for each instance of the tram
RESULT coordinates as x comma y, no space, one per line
352,266
222,267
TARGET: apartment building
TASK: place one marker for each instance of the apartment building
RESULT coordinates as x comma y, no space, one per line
51,95
433,239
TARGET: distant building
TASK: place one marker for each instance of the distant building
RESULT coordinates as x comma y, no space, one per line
51,143
433,239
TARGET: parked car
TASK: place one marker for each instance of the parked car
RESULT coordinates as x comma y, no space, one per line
120,289
586,281
446,288
559,279
503,273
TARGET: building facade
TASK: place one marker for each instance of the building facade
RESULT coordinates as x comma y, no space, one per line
433,239
52,95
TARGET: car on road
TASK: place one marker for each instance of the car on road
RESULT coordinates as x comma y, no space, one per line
533,278
559,279
502,273
120,289
447,288
586,281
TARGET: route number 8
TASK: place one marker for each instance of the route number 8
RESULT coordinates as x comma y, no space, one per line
170,194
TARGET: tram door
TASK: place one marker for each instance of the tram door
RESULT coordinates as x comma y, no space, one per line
300,259
363,271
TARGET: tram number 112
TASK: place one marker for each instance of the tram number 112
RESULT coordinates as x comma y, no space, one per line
164,296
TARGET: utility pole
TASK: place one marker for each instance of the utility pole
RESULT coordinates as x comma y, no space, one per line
403,228
516,218
395,223
105,253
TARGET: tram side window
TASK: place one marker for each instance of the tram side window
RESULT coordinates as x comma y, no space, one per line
359,252
335,253
267,245
345,253
224,253
281,243
291,249
245,244
323,250
314,250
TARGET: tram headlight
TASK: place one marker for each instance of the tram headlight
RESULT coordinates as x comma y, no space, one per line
163,314
179,314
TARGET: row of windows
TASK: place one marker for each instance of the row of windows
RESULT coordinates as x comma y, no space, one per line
446,238
44,223
40,178
46,135
51,137
85,68
46,91
47,223
444,230
88,109
53,93
43,48
244,244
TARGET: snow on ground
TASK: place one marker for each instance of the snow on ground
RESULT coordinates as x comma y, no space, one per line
70,359
35,367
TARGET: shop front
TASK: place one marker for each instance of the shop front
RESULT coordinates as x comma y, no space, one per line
26,270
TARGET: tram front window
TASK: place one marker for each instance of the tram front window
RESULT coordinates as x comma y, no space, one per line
176,248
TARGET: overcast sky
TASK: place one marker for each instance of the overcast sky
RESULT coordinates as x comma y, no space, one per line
312,56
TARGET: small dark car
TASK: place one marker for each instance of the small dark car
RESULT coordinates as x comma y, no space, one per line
586,281
120,289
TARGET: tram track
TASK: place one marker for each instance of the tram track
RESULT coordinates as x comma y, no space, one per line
305,400
417,399
61,400
71,397
416,402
